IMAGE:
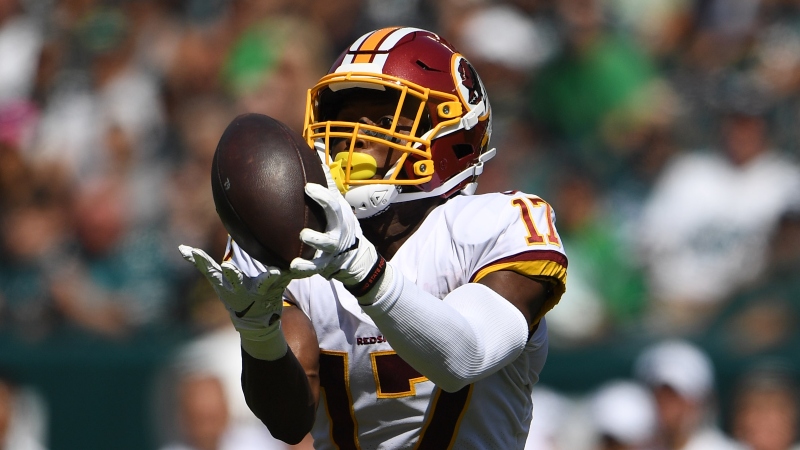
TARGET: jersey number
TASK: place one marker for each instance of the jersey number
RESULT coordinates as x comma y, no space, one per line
534,236
394,378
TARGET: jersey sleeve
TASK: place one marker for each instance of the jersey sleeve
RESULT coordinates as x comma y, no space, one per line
513,231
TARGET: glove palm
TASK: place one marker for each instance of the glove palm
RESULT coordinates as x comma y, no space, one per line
255,304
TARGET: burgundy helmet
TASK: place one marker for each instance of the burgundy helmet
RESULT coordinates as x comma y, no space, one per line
444,150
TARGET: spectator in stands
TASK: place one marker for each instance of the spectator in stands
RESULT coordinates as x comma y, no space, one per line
268,71
551,412
704,230
764,317
199,122
598,76
204,418
110,285
607,291
681,377
623,413
21,417
213,353
506,46
34,232
765,412
21,39
102,97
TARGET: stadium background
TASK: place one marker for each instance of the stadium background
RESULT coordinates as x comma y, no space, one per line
111,109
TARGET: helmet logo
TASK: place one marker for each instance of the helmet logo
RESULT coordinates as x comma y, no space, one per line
470,82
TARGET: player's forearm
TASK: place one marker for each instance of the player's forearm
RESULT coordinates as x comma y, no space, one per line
469,335
279,393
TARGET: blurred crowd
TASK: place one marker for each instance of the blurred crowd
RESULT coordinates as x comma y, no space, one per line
665,133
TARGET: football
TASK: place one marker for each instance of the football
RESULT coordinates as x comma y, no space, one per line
258,173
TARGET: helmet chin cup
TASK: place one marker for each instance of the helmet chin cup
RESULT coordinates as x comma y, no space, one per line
369,200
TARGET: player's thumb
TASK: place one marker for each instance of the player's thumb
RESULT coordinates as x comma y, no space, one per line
301,267
186,252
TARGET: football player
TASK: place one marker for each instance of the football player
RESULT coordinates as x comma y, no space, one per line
420,322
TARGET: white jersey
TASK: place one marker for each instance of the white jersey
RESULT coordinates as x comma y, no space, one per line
370,397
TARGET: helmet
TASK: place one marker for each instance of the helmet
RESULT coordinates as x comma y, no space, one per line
441,153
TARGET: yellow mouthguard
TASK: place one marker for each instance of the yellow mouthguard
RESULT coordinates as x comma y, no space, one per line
362,167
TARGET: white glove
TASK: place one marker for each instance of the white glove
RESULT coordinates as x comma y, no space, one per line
255,304
343,252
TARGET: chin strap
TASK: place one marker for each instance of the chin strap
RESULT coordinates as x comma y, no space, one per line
370,200
469,189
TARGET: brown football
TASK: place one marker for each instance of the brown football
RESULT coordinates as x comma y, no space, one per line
257,177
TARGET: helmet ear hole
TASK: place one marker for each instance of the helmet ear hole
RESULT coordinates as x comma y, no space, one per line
463,150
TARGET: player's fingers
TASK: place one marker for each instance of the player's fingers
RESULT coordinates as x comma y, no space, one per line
329,177
319,194
201,257
232,274
345,207
204,263
324,197
264,281
186,252
301,267
274,271
320,241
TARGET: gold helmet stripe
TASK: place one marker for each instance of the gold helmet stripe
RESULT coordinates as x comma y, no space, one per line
367,49
374,41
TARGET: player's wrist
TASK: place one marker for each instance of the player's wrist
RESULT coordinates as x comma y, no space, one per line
368,279
267,343
359,267
384,284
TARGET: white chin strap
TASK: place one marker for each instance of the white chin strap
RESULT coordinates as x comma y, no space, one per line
369,200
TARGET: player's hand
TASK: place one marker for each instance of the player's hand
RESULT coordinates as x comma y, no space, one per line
342,251
255,304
